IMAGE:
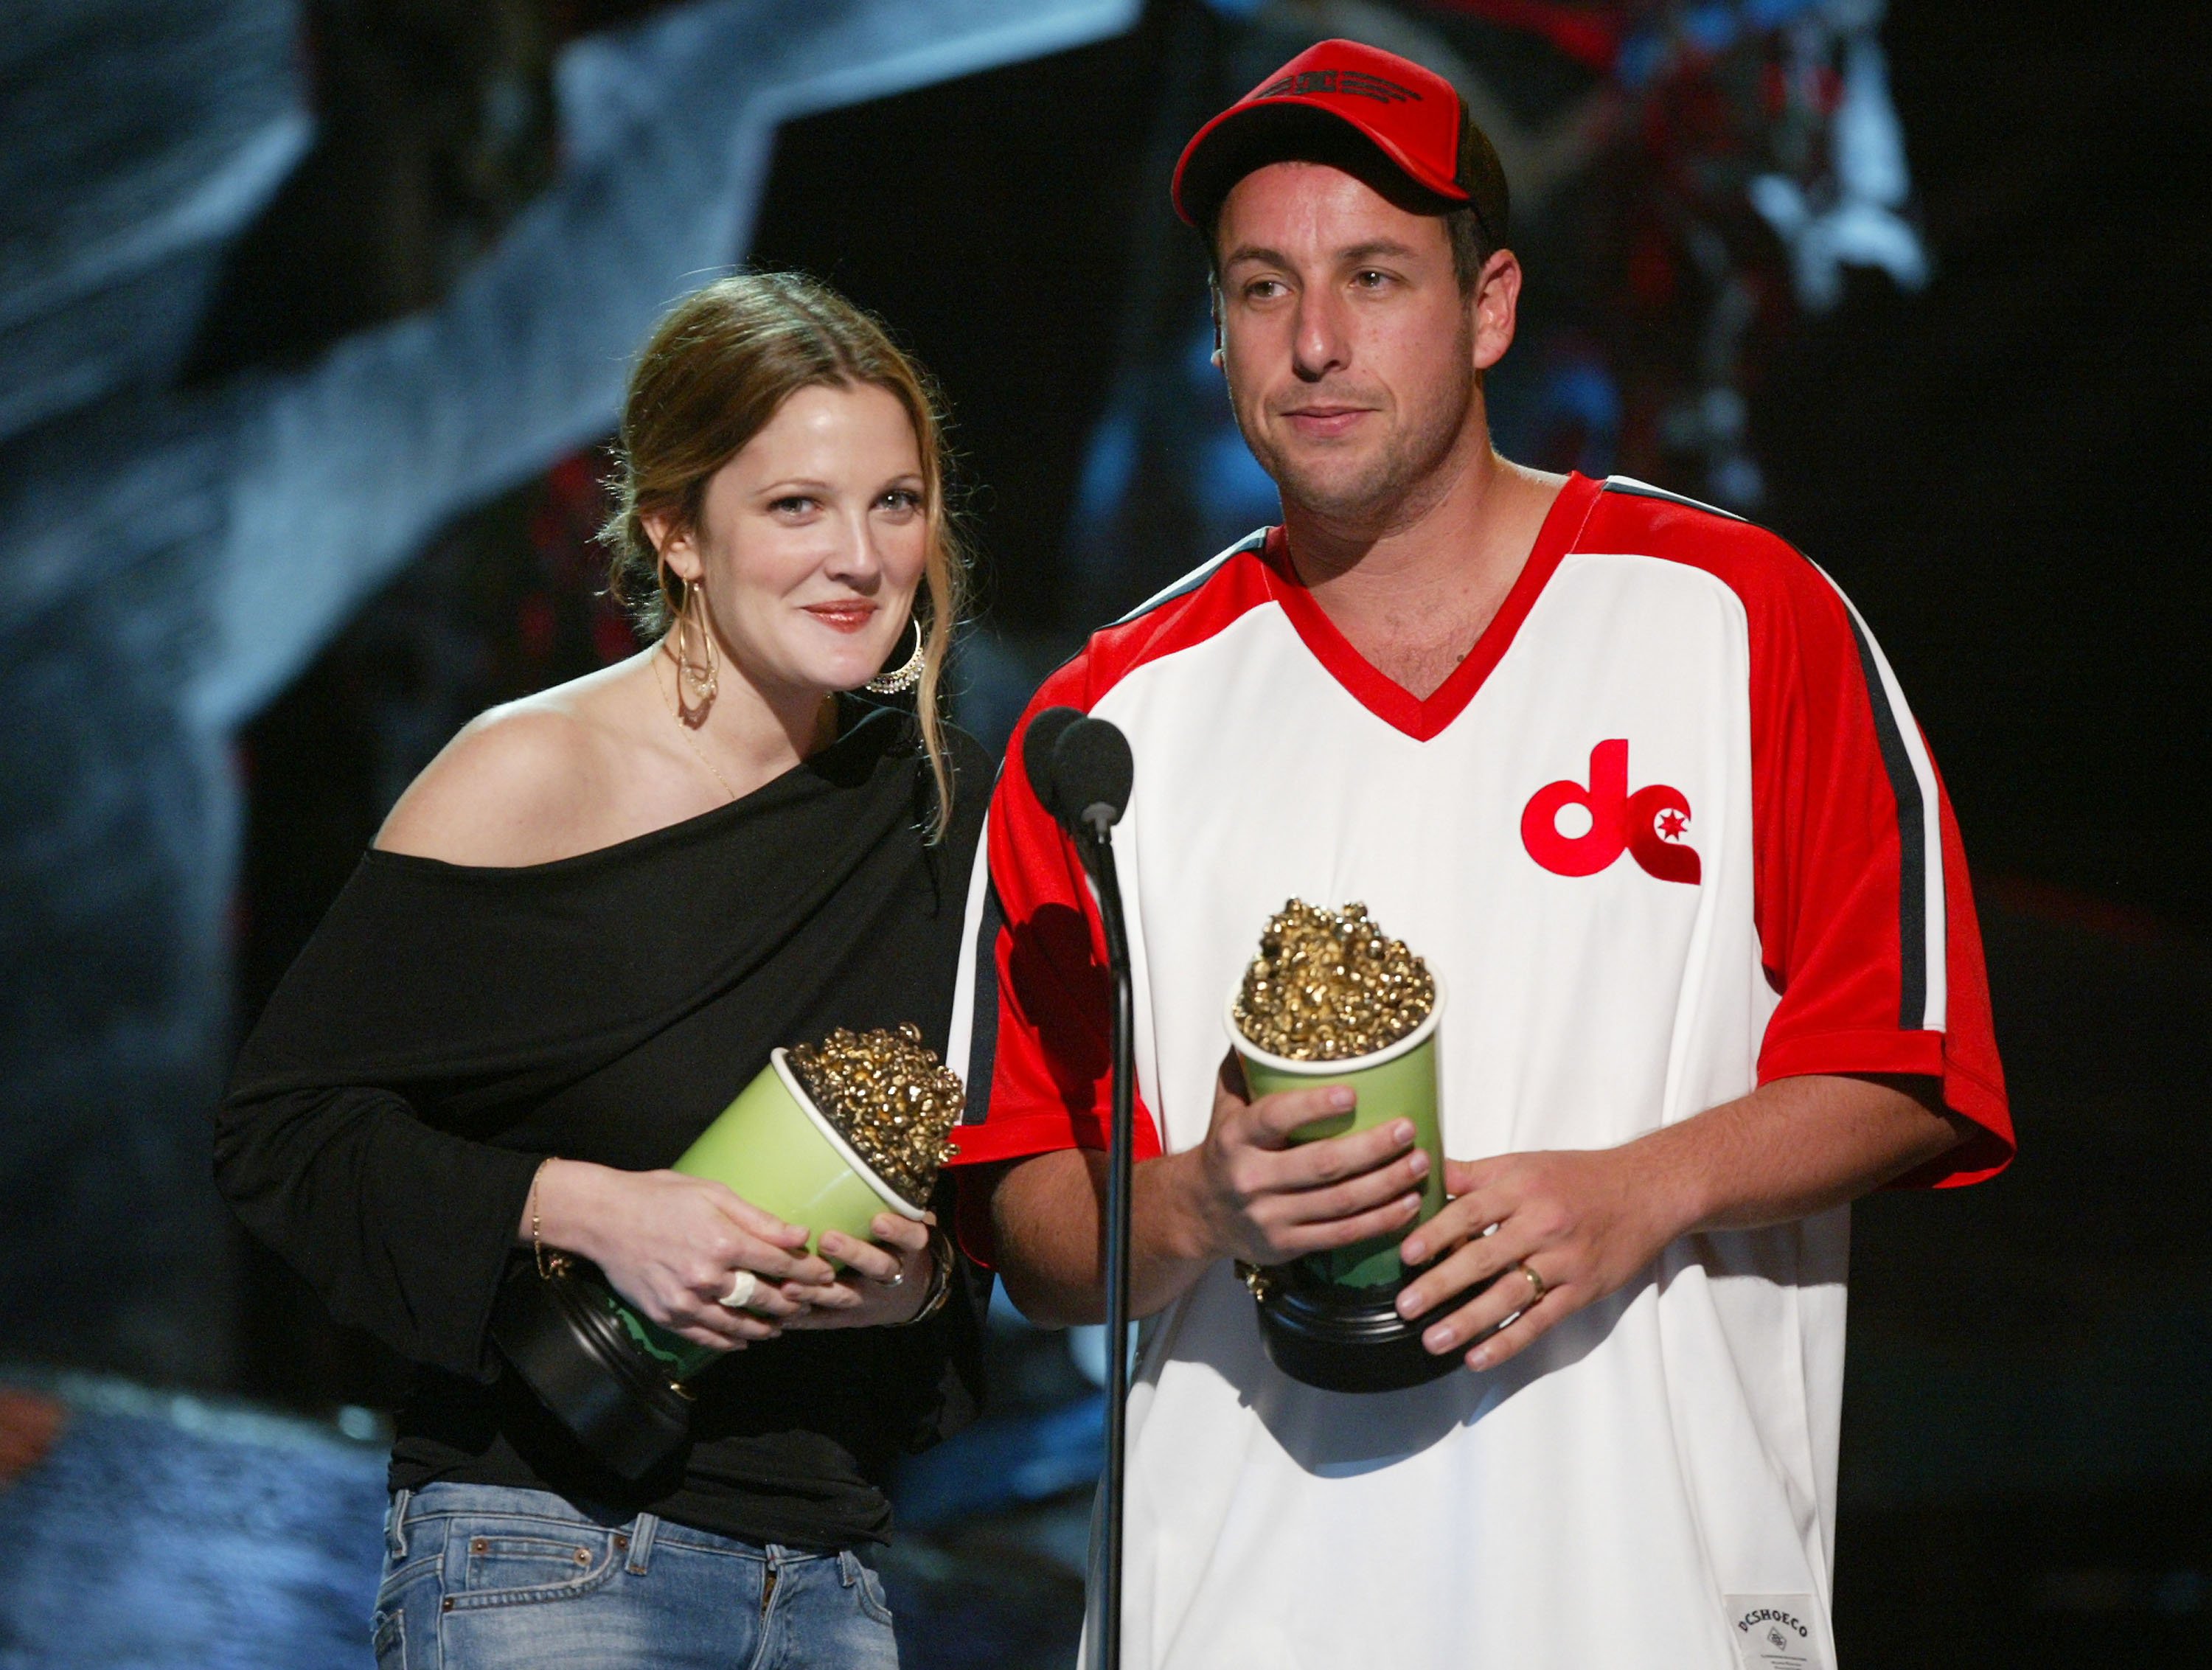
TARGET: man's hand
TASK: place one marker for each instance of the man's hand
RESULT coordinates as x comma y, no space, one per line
1585,1221
1261,1197
1247,1192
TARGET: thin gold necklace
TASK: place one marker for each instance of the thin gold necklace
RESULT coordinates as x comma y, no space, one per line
690,741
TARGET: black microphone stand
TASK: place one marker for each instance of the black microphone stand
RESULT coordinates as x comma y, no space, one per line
1098,856
1081,770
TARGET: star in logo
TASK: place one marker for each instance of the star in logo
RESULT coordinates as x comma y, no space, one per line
1672,823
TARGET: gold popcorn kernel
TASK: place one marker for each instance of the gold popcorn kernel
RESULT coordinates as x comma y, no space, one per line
889,1098
1330,984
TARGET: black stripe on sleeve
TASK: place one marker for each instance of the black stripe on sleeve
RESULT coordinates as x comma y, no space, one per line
1911,842
1629,487
983,1022
1197,577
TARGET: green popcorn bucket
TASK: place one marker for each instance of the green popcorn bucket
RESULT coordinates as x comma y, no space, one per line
613,1377
771,1146
1330,1320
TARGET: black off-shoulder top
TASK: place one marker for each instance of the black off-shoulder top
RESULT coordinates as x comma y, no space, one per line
448,1026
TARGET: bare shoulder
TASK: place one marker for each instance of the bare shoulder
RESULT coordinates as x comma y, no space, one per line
520,784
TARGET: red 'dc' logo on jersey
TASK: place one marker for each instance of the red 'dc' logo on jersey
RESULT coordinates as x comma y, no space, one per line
1649,825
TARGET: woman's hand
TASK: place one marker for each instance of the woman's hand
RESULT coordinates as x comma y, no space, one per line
672,1245
883,1282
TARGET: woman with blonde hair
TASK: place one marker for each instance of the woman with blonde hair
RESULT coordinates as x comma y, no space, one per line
578,933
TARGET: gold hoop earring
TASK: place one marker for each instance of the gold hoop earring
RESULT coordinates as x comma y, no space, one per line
904,677
705,678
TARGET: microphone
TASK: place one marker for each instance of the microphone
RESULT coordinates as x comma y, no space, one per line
1093,773
1043,736
1080,768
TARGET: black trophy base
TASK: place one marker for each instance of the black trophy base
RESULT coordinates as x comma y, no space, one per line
1347,1339
555,1333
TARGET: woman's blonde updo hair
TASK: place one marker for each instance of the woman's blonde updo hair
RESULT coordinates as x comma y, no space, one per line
718,366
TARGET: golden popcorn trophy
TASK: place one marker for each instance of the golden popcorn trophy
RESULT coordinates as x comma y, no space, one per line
1331,999
827,1135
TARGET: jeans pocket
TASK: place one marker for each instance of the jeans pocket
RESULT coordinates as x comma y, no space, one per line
869,1586
387,1617
391,1589
387,1639
511,1563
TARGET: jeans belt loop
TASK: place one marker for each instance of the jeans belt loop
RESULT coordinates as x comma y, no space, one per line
642,1532
395,1524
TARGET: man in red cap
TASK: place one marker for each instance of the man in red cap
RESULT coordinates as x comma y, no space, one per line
1636,779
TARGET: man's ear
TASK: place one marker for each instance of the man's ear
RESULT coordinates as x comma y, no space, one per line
1496,306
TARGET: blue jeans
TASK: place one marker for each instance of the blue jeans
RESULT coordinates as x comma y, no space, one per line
480,1577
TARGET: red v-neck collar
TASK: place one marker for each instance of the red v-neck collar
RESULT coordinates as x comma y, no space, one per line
1384,697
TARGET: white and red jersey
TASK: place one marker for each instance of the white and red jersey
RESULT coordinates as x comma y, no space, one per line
1668,832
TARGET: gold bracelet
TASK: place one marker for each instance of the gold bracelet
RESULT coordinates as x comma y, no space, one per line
536,1245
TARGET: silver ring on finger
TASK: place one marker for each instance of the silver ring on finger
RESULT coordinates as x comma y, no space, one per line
896,1278
743,1285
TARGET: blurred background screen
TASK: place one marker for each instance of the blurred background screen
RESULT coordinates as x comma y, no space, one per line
315,317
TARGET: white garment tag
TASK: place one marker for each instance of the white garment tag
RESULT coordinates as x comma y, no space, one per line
1777,1632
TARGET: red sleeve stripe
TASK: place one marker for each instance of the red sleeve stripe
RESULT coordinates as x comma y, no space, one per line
1924,1001
1923,952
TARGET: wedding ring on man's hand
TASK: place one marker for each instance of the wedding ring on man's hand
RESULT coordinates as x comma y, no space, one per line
743,1285
896,1278
1538,1287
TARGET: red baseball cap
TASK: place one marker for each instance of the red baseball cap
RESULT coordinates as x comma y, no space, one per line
1411,117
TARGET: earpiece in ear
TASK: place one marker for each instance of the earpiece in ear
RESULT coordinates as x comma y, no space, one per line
1215,357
